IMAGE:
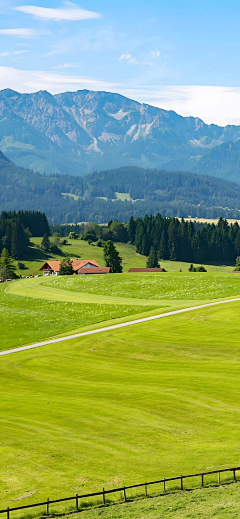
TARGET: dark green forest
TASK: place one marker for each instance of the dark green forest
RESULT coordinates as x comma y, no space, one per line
16,228
151,191
172,239
181,240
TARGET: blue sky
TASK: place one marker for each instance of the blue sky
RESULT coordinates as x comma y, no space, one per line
181,55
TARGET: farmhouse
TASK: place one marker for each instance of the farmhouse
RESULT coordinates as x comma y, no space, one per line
51,268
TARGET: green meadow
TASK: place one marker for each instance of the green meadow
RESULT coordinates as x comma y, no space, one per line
38,309
136,404
211,503
130,405
81,249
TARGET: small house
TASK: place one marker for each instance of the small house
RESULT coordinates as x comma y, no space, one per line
51,268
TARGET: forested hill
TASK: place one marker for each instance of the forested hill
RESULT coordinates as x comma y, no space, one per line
221,161
116,194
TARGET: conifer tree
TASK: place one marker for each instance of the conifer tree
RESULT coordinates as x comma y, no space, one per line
45,243
65,268
7,268
132,230
112,257
152,261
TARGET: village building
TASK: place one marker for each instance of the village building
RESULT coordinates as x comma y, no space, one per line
51,268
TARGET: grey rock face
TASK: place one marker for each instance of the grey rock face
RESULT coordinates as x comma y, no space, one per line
77,132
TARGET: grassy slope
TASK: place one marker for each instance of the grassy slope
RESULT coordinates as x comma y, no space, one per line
51,307
156,399
81,249
217,503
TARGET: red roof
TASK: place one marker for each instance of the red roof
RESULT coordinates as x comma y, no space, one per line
100,270
76,265
147,270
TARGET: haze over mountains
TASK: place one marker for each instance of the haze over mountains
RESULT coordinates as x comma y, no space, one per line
79,132
116,194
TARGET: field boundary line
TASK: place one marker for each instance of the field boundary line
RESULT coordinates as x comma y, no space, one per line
116,326
103,493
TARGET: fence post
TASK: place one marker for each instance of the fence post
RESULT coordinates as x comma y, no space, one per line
181,482
124,491
8,513
48,506
145,489
202,481
164,486
77,502
234,474
103,492
219,479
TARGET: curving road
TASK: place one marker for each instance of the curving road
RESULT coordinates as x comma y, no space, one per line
116,326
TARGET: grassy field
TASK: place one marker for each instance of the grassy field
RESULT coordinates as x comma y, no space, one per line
153,400
42,308
211,503
81,249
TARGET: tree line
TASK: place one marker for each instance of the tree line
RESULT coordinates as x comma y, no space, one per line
181,240
171,238
16,228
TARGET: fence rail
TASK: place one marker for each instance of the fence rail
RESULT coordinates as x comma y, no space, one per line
123,489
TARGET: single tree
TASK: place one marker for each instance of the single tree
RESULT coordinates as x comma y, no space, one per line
65,268
45,243
237,266
132,230
7,265
4,274
73,236
112,257
192,268
152,260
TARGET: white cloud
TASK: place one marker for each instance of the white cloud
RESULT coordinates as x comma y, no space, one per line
132,60
66,65
213,104
155,54
72,13
125,56
21,32
31,81
12,53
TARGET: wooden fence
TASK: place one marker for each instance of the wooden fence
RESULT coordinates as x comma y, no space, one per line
124,489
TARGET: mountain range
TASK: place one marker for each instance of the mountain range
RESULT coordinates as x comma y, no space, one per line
78,132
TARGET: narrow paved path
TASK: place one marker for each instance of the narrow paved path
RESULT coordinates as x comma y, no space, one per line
116,326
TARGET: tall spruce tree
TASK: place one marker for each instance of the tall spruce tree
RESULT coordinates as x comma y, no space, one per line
45,243
152,260
6,265
65,268
132,230
112,257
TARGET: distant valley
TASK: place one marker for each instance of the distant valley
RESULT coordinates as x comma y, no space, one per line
76,133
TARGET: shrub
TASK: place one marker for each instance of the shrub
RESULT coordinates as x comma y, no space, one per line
20,265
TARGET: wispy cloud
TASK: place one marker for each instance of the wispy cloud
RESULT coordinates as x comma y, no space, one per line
12,53
66,65
213,104
20,32
131,60
34,80
71,13
155,54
